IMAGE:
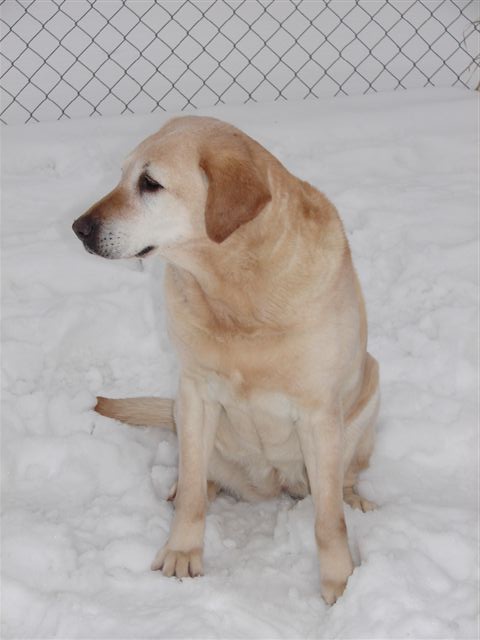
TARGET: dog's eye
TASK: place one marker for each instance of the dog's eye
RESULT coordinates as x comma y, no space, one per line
147,183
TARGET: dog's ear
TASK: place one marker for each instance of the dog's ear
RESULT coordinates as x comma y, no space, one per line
237,192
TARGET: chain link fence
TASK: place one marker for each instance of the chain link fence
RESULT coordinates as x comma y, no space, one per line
71,58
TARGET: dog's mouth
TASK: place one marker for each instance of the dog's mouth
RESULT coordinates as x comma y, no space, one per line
145,252
141,254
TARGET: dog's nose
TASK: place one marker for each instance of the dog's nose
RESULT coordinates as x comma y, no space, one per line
83,227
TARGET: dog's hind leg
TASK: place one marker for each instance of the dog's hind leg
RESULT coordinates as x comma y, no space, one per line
358,463
360,435
230,476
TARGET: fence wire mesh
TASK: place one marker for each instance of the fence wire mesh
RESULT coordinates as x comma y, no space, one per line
69,58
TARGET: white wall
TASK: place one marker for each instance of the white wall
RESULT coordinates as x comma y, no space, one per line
70,58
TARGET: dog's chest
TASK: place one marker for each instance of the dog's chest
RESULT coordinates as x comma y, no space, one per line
262,423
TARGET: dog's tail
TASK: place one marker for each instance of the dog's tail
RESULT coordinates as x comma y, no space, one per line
142,412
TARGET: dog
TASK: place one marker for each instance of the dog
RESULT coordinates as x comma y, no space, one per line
277,390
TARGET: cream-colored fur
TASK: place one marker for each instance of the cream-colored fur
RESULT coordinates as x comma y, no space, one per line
277,390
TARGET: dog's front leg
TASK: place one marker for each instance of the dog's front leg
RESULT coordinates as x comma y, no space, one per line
320,434
197,421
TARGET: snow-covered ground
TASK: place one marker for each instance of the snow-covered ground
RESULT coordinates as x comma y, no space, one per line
84,507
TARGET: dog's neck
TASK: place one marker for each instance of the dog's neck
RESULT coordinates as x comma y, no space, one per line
243,281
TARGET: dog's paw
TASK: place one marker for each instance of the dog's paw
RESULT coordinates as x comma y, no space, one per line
356,501
180,564
331,590
172,493
297,491
212,491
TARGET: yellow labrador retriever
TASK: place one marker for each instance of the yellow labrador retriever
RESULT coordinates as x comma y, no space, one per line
277,390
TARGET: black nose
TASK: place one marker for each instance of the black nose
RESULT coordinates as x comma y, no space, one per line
84,227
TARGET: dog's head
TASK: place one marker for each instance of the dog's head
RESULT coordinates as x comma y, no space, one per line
197,179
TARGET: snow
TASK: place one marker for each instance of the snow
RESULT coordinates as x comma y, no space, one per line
84,507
